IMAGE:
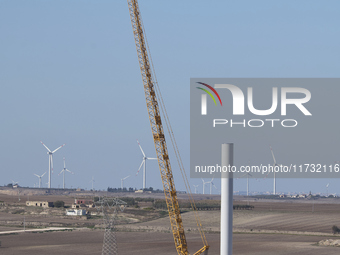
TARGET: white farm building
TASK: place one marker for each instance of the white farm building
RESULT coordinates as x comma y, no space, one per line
75,212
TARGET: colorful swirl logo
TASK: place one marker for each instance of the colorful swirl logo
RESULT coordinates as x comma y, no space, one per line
209,93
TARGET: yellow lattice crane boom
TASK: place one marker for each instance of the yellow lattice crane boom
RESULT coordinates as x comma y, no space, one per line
158,134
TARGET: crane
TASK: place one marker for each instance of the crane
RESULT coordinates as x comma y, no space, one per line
158,135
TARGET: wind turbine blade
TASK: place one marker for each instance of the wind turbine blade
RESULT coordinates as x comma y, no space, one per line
140,167
152,158
37,175
69,171
43,174
58,148
273,155
241,176
141,148
61,172
45,146
64,162
126,177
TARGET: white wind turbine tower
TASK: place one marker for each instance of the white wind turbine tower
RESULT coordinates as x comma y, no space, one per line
145,158
50,162
327,188
275,164
196,186
40,176
92,180
122,181
63,171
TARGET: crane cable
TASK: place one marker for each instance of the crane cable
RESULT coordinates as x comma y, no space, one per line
174,143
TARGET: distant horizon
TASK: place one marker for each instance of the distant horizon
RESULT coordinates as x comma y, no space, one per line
126,190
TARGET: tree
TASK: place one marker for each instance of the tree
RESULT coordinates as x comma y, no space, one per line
335,229
59,204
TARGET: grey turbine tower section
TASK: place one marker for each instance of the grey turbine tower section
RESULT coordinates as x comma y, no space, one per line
50,162
227,183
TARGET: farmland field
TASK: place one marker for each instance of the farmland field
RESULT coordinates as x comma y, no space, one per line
273,226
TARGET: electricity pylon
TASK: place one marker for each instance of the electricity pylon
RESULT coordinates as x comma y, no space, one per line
109,208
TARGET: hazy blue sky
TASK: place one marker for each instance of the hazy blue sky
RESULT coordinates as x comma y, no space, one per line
69,74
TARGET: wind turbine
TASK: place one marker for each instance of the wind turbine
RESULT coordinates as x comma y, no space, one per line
50,162
211,185
63,171
275,164
204,185
122,181
40,178
13,182
145,158
92,180
195,188
248,174
327,188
